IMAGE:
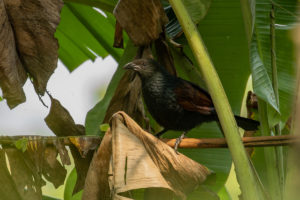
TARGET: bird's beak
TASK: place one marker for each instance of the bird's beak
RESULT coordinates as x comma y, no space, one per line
132,66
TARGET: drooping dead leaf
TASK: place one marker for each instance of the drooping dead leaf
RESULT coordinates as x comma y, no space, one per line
84,145
118,39
37,161
61,123
96,184
12,73
34,23
8,189
130,158
23,175
142,20
164,55
127,98
63,152
53,170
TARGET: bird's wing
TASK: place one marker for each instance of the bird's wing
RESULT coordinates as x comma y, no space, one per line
193,98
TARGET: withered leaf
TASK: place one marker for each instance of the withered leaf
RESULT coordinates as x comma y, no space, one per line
127,98
61,123
63,152
142,20
43,160
164,55
22,175
12,73
8,189
118,39
84,145
96,184
34,23
133,159
53,171
82,166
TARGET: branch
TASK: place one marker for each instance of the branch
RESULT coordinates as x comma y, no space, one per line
187,143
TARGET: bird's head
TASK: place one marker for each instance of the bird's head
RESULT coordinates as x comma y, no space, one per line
144,67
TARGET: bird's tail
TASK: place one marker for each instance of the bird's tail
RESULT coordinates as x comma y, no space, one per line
247,124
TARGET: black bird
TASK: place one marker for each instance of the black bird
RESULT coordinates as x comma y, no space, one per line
177,104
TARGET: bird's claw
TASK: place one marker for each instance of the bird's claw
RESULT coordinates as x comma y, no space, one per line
178,141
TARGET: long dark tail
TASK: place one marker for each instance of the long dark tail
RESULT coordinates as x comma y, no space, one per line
247,124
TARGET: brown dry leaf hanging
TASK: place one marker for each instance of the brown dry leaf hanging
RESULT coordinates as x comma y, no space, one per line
164,55
34,23
23,175
63,152
8,189
132,159
12,73
142,20
127,98
85,144
118,38
61,123
52,169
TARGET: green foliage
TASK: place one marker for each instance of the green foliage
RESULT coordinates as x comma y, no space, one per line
105,5
104,127
69,186
21,144
285,17
197,9
83,34
48,198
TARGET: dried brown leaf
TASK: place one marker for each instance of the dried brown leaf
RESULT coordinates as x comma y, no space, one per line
53,170
130,158
82,166
84,145
118,39
12,73
35,23
96,184
63,152
142,20
164,55
8,189
22,175
127,98
61,123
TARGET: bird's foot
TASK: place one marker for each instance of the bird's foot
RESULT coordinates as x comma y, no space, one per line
178,141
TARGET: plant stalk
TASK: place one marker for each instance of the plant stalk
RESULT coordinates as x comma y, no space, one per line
279,150
270,155
249,187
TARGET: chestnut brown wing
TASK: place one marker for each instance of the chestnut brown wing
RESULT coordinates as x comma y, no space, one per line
193,98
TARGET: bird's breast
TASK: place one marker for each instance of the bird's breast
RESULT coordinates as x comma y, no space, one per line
162,104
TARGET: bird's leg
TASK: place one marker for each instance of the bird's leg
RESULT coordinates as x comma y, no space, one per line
161,133
178,140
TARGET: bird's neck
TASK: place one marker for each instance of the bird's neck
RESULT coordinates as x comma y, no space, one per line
157,79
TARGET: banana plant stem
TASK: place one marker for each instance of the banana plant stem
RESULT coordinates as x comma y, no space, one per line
246,178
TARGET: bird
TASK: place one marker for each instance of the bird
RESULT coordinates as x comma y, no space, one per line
175,103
